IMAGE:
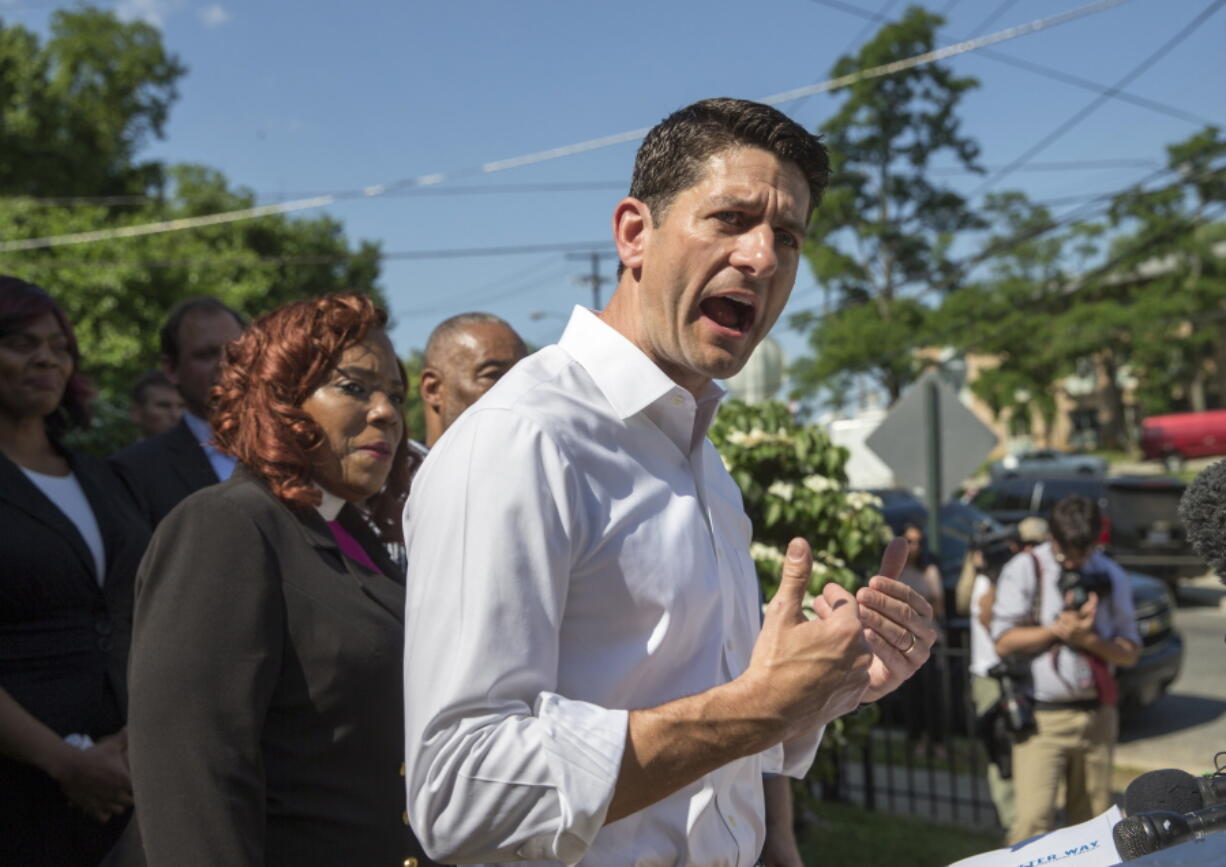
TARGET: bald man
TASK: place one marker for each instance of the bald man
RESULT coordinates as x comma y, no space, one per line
465,356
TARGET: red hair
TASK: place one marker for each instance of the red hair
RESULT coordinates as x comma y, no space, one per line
266,375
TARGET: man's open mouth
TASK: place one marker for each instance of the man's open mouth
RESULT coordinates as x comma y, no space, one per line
729,312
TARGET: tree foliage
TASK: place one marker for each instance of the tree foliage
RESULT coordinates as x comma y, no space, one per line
76,112
793,483
880,241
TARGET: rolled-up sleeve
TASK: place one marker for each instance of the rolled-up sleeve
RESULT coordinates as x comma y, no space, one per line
498,765
1014,604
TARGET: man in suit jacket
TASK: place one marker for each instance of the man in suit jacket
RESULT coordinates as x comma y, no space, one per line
163,469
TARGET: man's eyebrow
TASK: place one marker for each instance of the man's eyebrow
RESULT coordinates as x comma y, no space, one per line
737,202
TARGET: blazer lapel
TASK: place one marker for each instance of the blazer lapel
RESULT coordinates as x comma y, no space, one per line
16,488
191,463
385,590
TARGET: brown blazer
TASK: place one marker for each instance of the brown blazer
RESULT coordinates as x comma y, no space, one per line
265,714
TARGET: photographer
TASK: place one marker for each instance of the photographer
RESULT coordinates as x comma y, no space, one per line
988,555
1069,609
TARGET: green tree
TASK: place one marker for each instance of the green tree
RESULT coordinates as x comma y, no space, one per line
1169,272
76,110
999,315
880,241
75,114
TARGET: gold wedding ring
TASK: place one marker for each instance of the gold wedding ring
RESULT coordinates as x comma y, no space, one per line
911,647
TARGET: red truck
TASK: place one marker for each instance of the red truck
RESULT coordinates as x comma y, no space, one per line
1173,438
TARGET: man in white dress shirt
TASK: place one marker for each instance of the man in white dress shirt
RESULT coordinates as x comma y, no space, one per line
586,679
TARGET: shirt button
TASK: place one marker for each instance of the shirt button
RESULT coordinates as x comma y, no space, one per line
105,644
410,862
677,401
103,627
404,817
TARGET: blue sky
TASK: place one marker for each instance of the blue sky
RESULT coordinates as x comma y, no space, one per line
288,98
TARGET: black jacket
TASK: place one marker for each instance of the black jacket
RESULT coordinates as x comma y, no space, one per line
266,719
163,469
63,646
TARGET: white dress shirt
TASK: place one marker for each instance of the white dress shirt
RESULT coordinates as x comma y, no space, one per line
576,549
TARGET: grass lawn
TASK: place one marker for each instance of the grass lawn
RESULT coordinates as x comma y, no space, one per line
843,834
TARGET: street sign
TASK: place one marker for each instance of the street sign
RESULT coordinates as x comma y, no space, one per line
905,441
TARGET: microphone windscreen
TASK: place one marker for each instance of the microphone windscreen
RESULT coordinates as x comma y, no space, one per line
1203,514
1131,838
1170,789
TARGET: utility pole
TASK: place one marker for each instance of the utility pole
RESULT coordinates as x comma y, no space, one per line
595,280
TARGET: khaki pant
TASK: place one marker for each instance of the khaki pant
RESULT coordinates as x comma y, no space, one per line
1073,746
986,692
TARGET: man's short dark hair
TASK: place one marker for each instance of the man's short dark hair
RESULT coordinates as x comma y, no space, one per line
174,321
1076,523
450,327
673,154
147,380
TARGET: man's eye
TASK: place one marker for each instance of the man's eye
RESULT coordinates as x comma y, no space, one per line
732,218
787,239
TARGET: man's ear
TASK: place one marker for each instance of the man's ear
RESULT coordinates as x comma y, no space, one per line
169,369
431,388
631,224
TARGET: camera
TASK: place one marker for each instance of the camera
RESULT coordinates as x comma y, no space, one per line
1016,707
1080,583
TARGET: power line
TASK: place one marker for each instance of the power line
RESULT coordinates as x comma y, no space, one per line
994,16
1094,104
328,259
867,29
1058,166
533,275
546,187
1046,71
545,155
469,190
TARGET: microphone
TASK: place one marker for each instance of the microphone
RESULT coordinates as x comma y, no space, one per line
1203,514
1173,790
1145,833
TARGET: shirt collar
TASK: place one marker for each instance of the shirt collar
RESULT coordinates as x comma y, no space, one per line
199,427
628,379
330,506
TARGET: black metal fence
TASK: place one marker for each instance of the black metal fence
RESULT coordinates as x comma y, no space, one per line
923,758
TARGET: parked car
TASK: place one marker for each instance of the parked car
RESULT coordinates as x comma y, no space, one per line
1161,644
1047,462
1176,437
1141,526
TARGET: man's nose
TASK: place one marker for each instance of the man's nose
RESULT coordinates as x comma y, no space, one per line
755,251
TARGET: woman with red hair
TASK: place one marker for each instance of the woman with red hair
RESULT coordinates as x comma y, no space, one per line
266,725
70,542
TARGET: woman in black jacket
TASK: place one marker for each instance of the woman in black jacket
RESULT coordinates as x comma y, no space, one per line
69,545
266,716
